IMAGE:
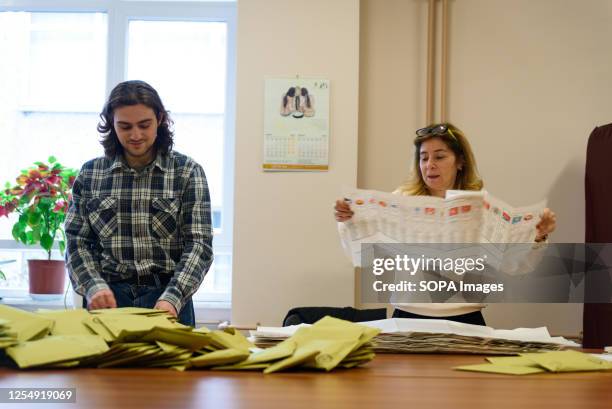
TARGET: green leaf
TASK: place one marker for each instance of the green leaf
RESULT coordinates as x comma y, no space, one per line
23,237
62,246
2,276
7,185
36,234
45,204
30,237
46,241
52,159
18,229
24,200
39,164
34,218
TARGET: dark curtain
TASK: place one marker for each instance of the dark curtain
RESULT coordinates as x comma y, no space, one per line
597,325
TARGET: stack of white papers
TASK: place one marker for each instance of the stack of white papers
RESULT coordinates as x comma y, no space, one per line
407,335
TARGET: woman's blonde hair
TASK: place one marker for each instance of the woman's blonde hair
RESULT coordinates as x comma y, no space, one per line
467,177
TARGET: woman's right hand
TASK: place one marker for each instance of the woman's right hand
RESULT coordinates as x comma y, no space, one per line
343,211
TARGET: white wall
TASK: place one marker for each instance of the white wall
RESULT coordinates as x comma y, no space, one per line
528,81
286,249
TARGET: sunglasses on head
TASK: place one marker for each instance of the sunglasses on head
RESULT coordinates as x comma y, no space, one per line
434,130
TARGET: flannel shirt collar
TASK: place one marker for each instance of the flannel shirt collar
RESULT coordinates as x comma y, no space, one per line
161,162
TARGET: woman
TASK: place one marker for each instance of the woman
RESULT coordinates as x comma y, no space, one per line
444,160
288,102
306,103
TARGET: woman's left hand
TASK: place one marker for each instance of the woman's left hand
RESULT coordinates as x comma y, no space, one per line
547,224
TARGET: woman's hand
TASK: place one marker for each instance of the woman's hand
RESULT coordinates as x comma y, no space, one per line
547,224
343,211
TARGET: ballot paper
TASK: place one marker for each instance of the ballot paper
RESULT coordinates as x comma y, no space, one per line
461,217
408,335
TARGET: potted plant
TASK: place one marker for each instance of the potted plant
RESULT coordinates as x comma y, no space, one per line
41,198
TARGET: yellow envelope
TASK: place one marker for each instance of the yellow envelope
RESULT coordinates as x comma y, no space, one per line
67,322
253,367
221,357
26,325
135,355
126,327
55,349
300,356
187,339
569,361
359,359
354,363
501,369
335,343
332,352
202,330
367,334
181,359
92,323
168,348
263,358
7,337
63,365
229,339
521,360
180,368
130,310
280,351
114,352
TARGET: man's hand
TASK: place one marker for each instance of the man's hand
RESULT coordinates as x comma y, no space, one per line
102,299
166,306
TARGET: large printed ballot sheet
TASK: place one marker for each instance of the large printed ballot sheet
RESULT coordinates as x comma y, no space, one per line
460,217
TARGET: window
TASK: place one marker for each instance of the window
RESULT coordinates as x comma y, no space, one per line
64,60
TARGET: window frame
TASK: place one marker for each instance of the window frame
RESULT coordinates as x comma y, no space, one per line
119,14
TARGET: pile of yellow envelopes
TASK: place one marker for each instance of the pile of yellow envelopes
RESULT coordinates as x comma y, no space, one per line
7,338
532,363
139,337
325,345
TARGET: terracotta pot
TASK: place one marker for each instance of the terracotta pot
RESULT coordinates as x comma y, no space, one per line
47,277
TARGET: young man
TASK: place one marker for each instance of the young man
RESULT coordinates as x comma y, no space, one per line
139,226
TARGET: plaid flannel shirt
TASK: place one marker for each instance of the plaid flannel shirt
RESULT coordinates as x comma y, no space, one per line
124,224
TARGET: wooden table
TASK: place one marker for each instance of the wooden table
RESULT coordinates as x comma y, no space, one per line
393,381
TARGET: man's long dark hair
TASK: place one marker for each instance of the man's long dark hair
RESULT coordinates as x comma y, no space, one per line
134,93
